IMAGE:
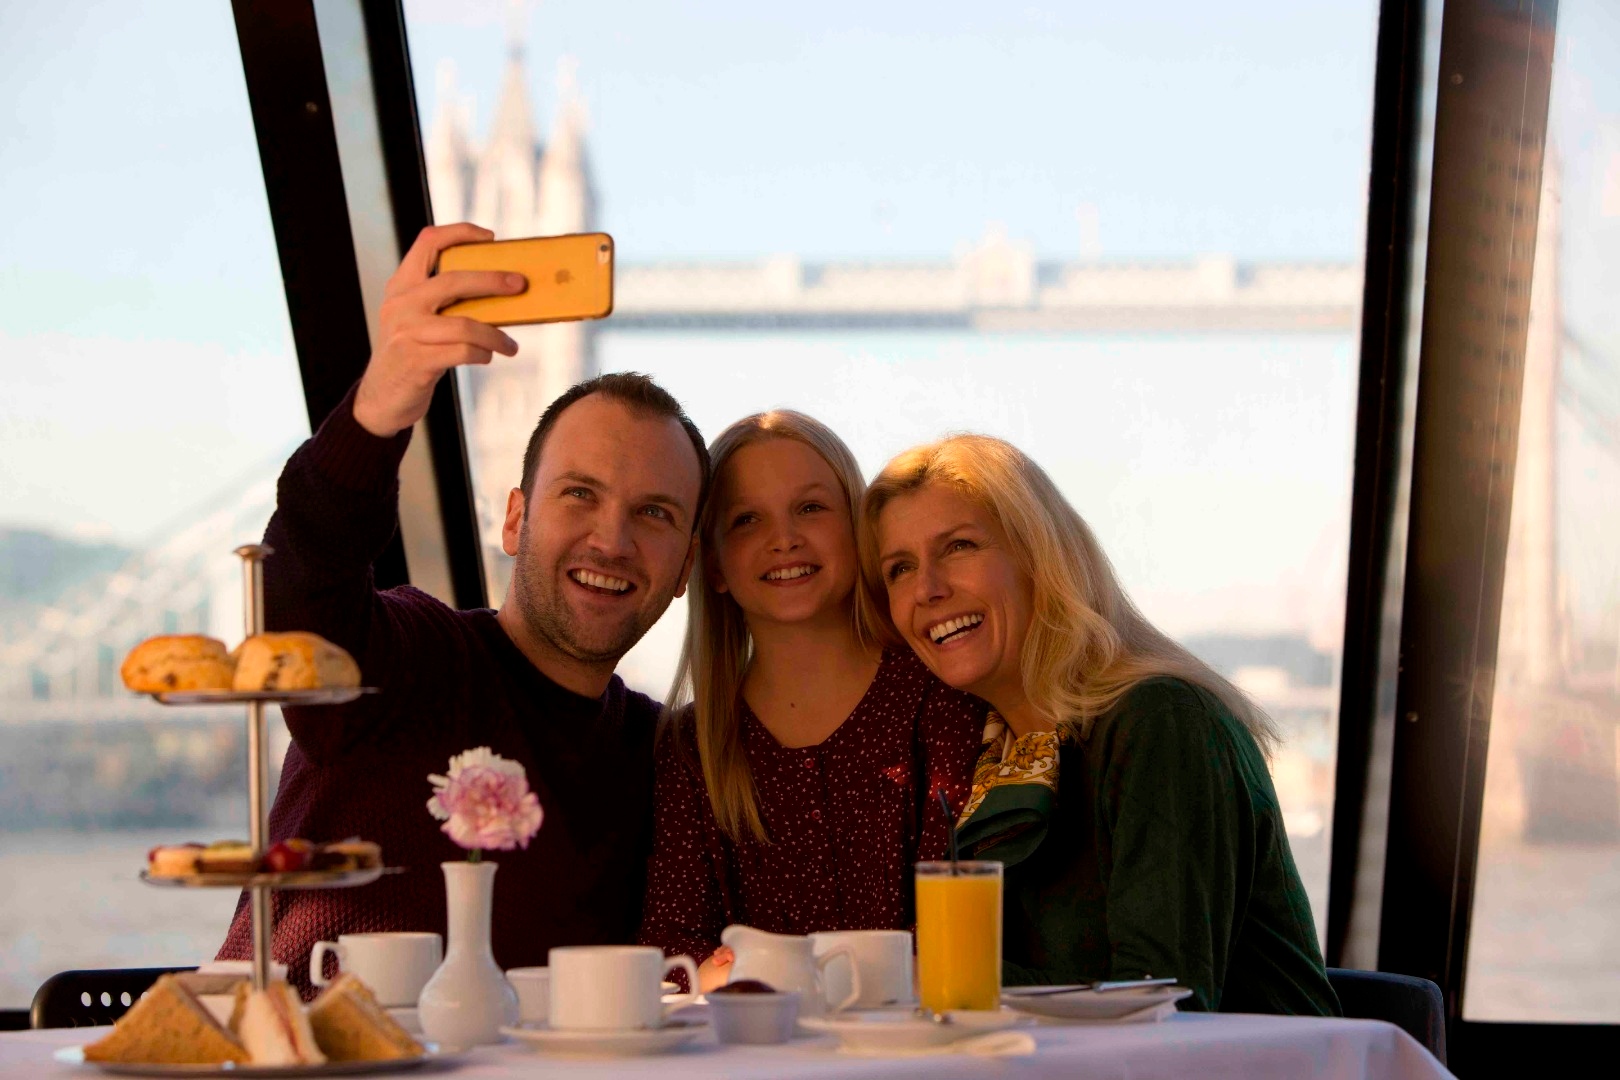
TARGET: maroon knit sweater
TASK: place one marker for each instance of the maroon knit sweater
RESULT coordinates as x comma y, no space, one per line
451,680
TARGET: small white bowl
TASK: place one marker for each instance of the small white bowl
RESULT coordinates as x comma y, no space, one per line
754,1019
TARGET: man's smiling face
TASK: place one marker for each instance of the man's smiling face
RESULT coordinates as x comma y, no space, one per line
604,542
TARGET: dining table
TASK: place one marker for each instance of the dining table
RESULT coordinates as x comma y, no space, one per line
1206,1046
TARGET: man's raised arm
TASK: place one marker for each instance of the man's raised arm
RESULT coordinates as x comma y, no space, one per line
337,501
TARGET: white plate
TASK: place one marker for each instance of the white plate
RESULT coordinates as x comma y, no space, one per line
895,1031
607,1043
74,1055
1113,1006
334,695
291,879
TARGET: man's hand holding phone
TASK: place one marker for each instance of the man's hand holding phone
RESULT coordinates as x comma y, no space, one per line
416,344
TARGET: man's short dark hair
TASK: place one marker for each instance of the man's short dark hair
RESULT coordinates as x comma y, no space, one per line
642,395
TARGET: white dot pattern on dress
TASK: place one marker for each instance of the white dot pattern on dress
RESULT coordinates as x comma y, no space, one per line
847,818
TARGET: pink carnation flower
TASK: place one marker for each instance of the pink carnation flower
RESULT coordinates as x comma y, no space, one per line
485,802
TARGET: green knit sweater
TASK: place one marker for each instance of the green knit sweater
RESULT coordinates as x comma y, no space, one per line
1165,854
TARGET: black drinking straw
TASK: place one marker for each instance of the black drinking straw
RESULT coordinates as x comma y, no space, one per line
945,805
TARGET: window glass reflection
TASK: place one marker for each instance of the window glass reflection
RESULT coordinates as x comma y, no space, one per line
1128,241
1543,944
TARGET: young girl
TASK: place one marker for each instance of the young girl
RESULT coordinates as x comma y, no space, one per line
797,774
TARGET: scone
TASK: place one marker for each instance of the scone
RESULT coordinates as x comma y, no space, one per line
178,662
293,661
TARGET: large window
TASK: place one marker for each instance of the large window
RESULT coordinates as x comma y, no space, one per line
147,398
1125,238
1544,943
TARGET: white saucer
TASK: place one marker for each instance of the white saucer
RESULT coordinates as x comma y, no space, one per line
1143,1004
895,1031
607,1043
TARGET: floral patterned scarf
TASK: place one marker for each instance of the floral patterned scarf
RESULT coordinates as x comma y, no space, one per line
1014,789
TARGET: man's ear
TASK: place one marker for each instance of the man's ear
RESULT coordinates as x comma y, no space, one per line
686,567
512,528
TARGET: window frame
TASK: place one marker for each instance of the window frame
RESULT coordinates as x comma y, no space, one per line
285,63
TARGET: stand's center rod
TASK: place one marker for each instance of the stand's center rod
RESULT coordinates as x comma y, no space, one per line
253,556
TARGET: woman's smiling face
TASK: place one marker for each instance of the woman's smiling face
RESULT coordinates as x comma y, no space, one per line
784,544
956,593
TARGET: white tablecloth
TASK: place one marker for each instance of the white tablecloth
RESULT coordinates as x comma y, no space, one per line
1188,1045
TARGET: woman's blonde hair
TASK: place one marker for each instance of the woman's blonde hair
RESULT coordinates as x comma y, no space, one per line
718,647
1087,644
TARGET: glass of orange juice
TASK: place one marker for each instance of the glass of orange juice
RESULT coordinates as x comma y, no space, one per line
959,935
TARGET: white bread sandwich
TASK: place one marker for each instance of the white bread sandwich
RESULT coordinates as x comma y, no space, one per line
272,1025
169,1026
350,1026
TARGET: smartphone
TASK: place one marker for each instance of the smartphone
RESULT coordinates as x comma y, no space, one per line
570,277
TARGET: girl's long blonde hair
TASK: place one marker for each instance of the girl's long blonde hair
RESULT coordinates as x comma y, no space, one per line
718,648
1087,644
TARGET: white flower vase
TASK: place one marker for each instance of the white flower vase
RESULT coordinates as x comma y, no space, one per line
468,1000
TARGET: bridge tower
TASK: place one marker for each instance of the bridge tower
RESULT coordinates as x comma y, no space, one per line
517,186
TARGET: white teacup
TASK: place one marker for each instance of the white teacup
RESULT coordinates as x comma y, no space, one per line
885,959
394,965
533,986
614,987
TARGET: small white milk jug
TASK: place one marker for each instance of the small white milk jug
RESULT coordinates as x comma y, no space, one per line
788,962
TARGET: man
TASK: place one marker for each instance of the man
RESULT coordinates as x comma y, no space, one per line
602,534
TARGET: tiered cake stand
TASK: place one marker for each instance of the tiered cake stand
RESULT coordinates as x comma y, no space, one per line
261,885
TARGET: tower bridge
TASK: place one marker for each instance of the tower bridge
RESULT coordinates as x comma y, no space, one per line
62,668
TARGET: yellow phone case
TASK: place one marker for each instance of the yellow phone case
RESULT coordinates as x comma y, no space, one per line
570,277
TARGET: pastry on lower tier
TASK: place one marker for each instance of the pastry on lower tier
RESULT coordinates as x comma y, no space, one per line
173,860
347,855
349,1025
168,1026
227,857
293,661
178,662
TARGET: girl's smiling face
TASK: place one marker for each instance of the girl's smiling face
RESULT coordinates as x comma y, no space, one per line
783,540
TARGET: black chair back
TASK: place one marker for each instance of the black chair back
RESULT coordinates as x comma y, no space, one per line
1412,1004
92,998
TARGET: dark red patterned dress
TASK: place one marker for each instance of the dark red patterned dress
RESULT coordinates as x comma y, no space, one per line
847,818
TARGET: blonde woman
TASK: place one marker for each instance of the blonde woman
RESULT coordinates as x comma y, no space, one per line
1122,782
795,783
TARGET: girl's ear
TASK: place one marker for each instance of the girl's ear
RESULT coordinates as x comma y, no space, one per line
712,574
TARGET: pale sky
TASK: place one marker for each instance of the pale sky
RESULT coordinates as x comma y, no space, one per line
847,128
146,357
